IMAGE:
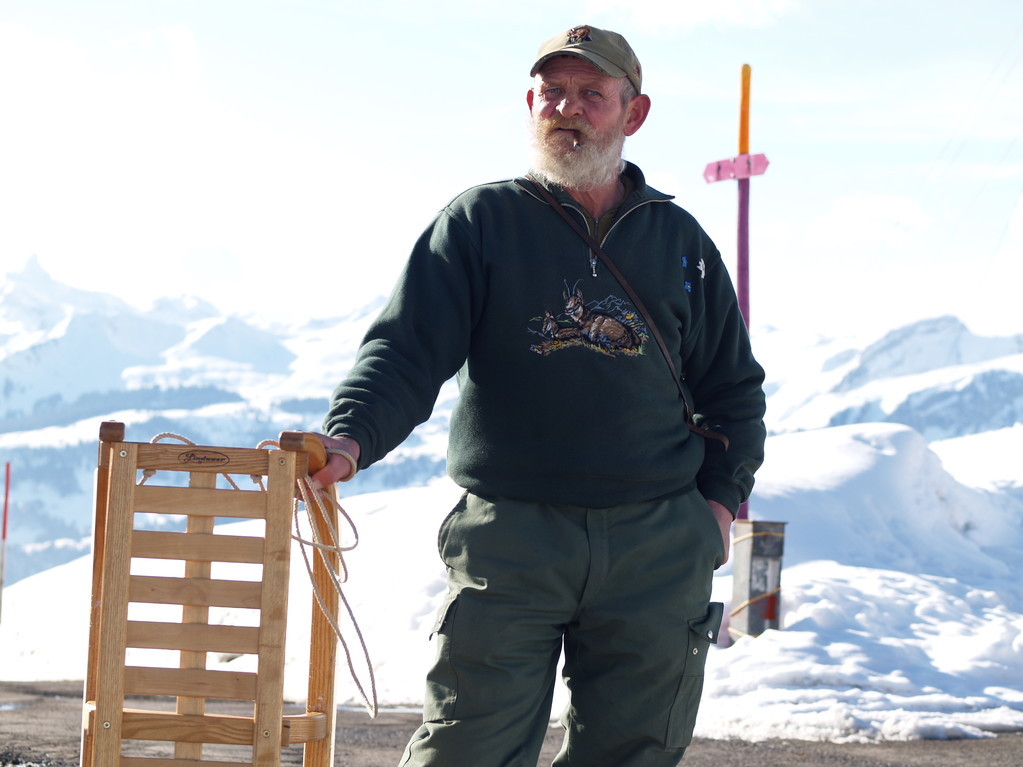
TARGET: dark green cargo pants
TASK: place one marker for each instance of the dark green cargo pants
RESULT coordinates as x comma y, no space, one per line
625,590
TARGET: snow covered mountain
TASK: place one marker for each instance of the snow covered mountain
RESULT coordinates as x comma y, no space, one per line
70,359
933,375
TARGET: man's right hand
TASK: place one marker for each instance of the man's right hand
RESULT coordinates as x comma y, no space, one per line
724,519
338,468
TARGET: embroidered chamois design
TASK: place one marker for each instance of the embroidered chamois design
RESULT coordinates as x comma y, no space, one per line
608,326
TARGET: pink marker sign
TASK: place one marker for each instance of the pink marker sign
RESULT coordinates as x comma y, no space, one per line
743,166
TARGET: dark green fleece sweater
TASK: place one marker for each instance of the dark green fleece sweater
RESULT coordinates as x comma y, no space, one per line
564,396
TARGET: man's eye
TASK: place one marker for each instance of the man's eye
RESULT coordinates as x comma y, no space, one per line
592,95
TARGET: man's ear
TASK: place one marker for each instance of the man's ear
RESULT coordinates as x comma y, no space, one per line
638,110
529,100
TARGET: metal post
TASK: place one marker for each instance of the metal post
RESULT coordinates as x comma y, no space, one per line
756,577
742,271
742,233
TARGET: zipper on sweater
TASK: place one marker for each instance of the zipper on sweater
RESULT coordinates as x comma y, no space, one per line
593,223
586,218
591,226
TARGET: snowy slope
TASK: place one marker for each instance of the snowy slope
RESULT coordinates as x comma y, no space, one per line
901,615
70,359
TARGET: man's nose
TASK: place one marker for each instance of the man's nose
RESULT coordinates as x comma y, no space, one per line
570,106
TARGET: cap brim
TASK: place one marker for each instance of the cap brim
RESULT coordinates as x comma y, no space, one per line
599,62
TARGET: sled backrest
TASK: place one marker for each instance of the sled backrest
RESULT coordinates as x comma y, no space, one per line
138,528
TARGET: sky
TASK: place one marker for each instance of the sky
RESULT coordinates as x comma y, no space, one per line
280,157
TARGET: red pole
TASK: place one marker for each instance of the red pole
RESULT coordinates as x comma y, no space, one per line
7,491
742,272
3,538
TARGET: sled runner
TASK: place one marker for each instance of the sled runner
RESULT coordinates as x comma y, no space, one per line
133,507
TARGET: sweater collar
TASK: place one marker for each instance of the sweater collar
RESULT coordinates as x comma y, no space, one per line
641,191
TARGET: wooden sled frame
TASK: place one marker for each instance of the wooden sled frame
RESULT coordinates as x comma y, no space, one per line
118,540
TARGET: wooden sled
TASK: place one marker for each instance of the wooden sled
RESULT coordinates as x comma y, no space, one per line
180,719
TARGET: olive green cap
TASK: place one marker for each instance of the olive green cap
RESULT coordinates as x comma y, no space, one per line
607,51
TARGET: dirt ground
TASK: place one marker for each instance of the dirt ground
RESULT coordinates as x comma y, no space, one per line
40,724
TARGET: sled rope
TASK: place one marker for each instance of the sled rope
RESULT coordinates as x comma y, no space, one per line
736,610
314,503
308,492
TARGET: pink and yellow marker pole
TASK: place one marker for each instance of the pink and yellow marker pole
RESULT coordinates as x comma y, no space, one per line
741,168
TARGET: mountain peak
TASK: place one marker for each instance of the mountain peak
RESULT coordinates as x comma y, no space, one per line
923,346
33,300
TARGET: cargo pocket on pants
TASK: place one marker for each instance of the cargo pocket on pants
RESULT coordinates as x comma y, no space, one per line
441,681
702,633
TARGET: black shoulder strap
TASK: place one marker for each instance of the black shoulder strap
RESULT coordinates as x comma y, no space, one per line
636,301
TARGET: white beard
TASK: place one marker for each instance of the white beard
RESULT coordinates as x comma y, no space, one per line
596,162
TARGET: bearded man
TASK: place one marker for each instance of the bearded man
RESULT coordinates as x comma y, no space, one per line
595,510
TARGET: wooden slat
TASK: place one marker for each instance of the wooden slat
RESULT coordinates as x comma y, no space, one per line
199,683
197,637
297,729
323,640
155,499
208,592
197,615
200,458
109,692
145,761
305,728
188,728
205,548
115,431
274,615
310,454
